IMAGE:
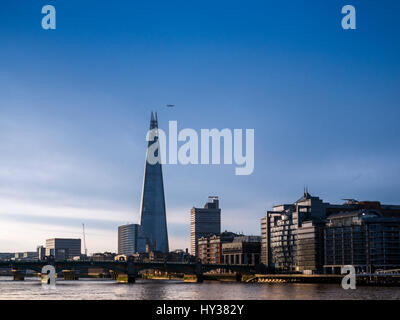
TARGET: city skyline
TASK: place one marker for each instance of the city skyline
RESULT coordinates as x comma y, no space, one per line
75,102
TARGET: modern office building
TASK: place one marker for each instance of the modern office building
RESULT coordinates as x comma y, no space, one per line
63,249
128,239
295,237
265,254
364,239
153,219
243,250
210,247
41,252
204,222
292,235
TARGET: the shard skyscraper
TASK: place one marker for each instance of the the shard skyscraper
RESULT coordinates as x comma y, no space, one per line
153,218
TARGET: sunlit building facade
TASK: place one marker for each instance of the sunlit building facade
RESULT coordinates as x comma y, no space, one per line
128,239
204,222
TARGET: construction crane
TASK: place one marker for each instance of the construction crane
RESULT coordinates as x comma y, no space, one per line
84,239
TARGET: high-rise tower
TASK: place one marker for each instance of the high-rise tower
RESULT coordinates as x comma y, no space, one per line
153,218
204,222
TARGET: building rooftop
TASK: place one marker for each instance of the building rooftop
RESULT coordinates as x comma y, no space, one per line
358,217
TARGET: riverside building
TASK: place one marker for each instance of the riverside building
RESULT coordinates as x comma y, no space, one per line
210,247
364,239
303,236
243,250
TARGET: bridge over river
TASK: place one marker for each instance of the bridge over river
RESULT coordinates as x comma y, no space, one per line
128,268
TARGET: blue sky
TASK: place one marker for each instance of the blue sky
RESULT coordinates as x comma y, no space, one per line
75,104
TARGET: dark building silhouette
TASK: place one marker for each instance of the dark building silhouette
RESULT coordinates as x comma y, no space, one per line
364,239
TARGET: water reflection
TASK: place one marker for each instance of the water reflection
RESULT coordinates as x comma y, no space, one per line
164,290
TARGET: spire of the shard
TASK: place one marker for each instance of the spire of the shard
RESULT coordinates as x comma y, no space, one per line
152,207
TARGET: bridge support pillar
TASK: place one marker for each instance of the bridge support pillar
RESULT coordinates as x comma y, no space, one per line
131,270
199,278
199,271
18,275
126,278
113,275
194,278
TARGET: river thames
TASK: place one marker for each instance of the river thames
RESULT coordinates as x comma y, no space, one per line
31,289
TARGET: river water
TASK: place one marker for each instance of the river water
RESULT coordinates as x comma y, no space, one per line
167,289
